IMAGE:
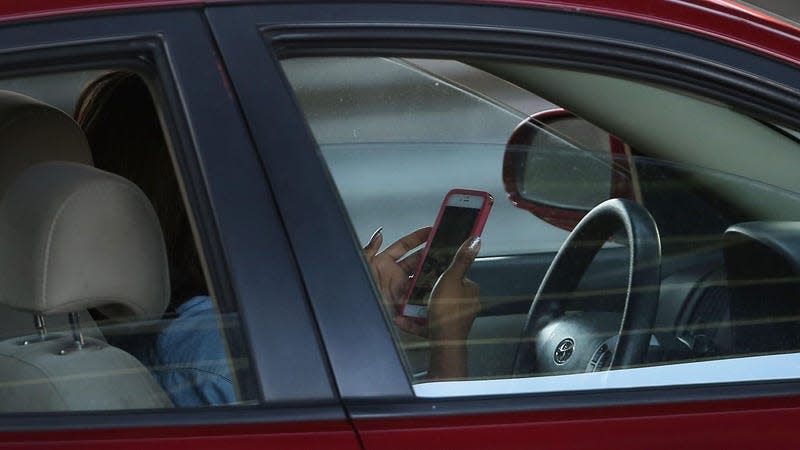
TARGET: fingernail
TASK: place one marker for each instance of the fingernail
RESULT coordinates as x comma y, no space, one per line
474,244
375,235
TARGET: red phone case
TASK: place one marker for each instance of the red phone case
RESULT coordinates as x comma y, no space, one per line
477,228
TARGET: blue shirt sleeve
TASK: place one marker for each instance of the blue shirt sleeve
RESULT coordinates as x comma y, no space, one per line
190,360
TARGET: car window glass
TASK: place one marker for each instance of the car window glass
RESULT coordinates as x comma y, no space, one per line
105,303
398,114
695,287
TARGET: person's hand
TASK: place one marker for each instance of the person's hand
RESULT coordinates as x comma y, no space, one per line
452,309
454,300
453,303
389,269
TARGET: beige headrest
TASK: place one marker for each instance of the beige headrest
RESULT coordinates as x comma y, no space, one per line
28,130
75,237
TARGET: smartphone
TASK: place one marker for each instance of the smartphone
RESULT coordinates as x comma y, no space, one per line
462,215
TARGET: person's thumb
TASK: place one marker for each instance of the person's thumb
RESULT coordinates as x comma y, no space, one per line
464,257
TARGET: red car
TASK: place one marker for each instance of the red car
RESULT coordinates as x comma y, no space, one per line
639,271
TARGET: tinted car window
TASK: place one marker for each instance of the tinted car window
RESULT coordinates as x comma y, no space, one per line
105,304
398,114
678,298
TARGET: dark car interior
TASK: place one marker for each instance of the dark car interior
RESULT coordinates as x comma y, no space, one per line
718,282
90,325
722,284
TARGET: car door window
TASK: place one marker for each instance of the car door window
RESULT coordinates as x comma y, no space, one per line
399,114
682,273
105,302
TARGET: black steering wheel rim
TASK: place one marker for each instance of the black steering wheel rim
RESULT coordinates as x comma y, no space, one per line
569,266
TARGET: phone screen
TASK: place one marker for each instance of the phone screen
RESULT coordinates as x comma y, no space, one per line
454,228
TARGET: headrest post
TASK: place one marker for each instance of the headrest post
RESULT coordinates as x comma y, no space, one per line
38,322
77,333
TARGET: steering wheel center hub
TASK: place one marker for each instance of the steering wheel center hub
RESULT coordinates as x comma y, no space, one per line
564,351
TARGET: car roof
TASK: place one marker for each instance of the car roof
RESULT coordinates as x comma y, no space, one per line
720,19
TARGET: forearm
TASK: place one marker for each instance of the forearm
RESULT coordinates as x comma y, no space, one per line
448,347
448,331
448,359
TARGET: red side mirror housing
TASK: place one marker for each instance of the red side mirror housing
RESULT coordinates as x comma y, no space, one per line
558,166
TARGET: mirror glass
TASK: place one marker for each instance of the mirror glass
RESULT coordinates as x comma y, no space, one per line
568,165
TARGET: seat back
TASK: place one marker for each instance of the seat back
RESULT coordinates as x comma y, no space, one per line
72,238
28,129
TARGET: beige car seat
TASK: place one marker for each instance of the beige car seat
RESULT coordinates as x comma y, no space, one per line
32,132
73,237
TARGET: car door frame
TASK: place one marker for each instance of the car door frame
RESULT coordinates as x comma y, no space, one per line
251,267
368,370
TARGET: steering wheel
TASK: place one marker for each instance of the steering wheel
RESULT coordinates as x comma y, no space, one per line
553,341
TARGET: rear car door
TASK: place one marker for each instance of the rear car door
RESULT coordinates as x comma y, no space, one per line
336,85
282,399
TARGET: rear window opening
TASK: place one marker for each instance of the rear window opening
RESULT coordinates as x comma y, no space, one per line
109,307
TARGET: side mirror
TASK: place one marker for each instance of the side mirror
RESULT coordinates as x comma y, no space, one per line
559,166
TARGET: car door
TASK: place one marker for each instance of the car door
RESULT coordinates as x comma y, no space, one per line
284,394
394,405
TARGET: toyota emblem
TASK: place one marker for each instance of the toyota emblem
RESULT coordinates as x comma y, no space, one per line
564,351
